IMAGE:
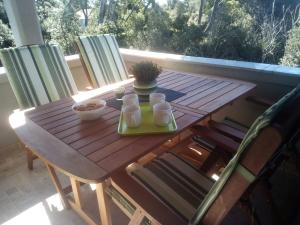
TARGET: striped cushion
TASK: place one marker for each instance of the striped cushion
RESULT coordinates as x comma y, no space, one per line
102,59
175,182
38,74
262,122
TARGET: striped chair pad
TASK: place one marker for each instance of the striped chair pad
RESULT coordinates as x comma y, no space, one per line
38,74
263,121
175,182
102,59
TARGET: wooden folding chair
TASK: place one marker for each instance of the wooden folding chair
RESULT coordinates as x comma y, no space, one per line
38,74
101,59
224,136
195,198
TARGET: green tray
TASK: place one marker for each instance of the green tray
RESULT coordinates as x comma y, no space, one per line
147,125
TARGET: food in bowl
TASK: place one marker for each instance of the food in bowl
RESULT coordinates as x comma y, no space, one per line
90,109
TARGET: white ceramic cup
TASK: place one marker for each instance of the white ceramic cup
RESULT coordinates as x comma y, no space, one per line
162,113
130,99
155,98
119,92
132,115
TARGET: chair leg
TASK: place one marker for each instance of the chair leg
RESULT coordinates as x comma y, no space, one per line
137,217
30,158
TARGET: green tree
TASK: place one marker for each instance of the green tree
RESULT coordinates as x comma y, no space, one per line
45,10
232,34
6,39
292,49
60,23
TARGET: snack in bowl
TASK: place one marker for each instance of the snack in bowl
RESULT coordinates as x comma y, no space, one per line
90,109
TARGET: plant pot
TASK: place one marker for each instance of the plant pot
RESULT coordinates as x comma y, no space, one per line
140,85
144,89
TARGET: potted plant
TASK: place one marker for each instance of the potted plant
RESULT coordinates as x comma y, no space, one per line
145,74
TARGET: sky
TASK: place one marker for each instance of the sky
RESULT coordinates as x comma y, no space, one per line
161,2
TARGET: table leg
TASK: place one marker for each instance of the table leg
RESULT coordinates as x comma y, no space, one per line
57,185
30,158
29,155
76,191
102,198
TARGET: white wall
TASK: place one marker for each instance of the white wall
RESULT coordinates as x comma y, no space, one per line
272,81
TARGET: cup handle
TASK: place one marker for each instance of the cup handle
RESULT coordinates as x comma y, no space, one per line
168,117
133,118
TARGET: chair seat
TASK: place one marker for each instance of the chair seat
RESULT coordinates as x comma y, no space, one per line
235,134
220,140
174,182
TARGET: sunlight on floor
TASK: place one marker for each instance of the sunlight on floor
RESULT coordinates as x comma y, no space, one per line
54,203
37,214
93,187
34,215
17,119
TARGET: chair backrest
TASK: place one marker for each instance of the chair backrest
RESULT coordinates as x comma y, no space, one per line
38,74
102,59
268,133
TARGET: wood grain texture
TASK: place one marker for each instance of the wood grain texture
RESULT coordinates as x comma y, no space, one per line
58,154
138,195
93,150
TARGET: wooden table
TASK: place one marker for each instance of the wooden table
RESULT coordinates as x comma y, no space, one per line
90,152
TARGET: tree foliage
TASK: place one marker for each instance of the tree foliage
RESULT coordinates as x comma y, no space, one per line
6,38
292,49
257,30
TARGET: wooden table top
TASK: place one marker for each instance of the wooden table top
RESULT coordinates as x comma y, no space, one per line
93,150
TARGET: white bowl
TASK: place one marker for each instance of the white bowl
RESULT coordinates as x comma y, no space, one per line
89,114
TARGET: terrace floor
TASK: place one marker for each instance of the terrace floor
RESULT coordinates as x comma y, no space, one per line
29,197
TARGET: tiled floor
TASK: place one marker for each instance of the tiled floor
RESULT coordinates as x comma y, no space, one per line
29,197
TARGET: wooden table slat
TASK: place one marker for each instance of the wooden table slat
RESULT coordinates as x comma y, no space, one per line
73,123
88,125
170,82
166,76
58,110
184,80
60,122
196,85
94,130
58,154
94,150
202,91
101,143
226,99
182,87
92,138
50,106
213,95
142,146
56,117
